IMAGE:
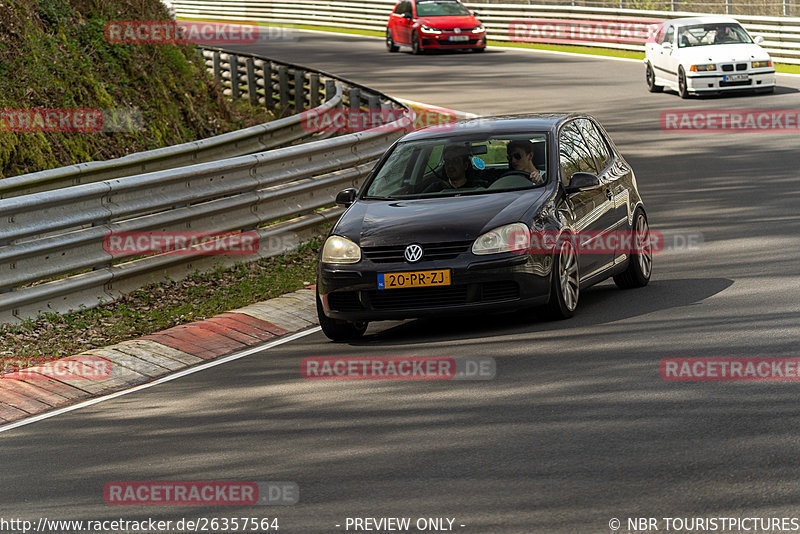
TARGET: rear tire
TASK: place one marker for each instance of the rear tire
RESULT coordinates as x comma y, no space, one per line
640,263
564,282
390,46
479,50
650,77
337,330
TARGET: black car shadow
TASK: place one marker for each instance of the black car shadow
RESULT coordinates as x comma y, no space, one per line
600,304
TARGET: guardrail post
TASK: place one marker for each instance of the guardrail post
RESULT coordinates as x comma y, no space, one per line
251,81
672,5
330,89
375,115
355,98
283,88
217,69
233,61
266,71
299,91
786,8
728,7
313,90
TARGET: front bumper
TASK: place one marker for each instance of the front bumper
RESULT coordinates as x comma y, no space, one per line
512,282
442,41
699,83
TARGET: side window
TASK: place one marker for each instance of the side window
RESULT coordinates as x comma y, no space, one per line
669,35
597,144
403,7
573,154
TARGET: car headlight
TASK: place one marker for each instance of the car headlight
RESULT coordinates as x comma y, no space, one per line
479,29
514,237
428,29
760,64
340,250
703,68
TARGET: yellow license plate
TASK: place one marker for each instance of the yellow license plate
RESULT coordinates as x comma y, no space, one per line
414,279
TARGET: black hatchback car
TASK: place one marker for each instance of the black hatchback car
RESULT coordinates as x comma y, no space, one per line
493,213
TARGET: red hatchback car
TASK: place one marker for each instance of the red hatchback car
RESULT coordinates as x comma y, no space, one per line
434,25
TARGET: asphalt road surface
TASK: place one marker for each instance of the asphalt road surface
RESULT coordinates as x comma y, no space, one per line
578,427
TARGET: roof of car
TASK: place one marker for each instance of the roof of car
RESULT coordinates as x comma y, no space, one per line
499,124
710,19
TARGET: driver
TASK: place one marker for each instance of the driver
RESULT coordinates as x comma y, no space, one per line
520,159
458,171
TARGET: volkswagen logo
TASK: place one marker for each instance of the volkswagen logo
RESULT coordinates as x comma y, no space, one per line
456,30
413,253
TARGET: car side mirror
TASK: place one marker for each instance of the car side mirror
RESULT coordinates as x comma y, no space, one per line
667,45
582,181
407,16
758,39
346,197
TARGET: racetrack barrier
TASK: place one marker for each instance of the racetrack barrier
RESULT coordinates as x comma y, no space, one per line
502,20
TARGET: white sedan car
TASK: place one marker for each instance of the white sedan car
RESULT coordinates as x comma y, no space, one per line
707,54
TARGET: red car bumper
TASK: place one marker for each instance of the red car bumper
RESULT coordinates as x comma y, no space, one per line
443,41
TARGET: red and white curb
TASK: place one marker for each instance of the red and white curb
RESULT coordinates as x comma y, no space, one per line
148,358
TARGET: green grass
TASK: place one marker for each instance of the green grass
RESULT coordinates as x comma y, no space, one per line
54,54
160,306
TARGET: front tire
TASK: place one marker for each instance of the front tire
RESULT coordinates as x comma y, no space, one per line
337,330
564,282
650,77
390,46
640,263
683,90
415,46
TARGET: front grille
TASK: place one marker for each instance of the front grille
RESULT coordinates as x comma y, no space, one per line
344,301
727,68
430,251
458,43
505,290
734,84
418,297
741,66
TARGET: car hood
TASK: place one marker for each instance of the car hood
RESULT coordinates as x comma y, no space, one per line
723,53
450,22
434,220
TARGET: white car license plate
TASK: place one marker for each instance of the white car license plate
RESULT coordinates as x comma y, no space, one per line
458,38
736,78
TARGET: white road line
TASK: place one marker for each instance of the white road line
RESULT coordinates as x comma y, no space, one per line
179,374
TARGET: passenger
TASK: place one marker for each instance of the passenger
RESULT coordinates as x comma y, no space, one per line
520,159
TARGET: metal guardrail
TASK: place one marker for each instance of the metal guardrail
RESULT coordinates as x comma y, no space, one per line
290,89
781,34
52,253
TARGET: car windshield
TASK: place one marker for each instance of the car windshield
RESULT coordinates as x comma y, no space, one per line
447,167
712,34
440,9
